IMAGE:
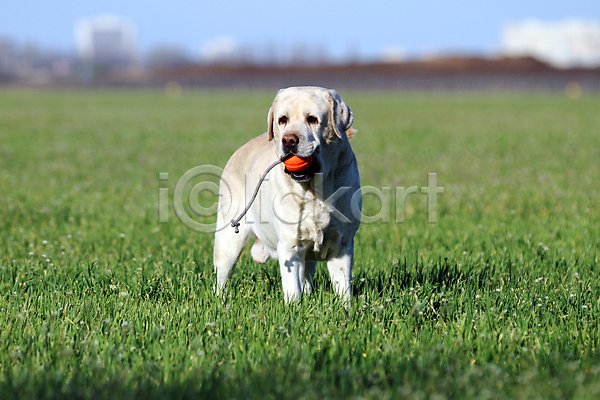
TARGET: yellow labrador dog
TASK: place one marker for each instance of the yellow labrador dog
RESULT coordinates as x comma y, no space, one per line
302,217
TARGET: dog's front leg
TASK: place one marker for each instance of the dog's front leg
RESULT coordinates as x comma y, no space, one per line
340,272
292,265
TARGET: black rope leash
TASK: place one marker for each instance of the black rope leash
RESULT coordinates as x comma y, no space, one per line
235,223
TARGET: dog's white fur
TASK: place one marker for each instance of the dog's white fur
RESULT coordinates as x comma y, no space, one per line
297,222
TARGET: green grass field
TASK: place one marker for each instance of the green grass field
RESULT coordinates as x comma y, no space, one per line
499,299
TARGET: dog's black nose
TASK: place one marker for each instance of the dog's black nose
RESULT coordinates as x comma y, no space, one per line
289,142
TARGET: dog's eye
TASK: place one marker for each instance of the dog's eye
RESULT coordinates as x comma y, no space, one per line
311,119
283,120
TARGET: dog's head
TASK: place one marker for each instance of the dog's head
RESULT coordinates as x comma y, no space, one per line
309,122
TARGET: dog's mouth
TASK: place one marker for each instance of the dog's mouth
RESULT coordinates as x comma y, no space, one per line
306,175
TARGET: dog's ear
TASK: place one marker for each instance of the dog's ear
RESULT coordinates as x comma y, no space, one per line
270,123
270,116
340,115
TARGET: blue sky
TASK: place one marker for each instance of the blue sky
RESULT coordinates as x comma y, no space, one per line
363,27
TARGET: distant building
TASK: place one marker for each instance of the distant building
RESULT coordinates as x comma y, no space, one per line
562,44
167,56
106,40
222,50
394,54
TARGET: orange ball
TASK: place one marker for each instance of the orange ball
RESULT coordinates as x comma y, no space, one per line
297,164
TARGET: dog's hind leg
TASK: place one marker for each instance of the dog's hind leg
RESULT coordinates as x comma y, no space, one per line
259,252
309,272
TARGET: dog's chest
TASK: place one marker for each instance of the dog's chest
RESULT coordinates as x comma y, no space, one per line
314,218
315,230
